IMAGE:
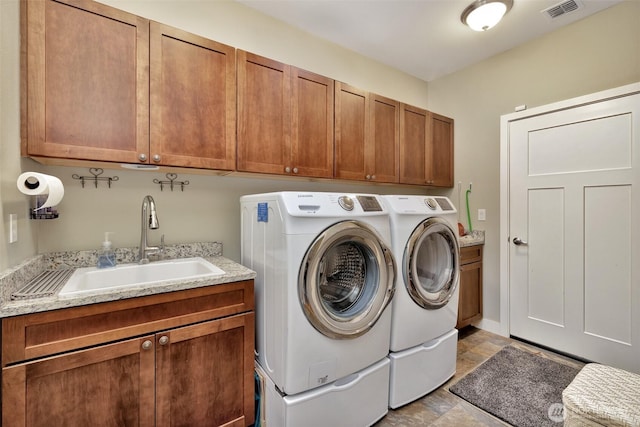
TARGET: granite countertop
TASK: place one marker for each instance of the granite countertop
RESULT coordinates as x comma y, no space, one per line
15,278
476,237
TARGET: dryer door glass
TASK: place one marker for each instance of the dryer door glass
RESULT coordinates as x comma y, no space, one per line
346,280
431,264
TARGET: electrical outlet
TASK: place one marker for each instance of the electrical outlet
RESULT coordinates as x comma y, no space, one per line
13,228
482,214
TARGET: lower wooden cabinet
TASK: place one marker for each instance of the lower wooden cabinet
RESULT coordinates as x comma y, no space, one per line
470,298
200,374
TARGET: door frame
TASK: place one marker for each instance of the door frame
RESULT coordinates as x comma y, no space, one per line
503,326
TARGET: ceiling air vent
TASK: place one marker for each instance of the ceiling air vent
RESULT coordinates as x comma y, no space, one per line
561,9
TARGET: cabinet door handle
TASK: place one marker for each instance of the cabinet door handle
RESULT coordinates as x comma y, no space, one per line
142,157
373,177
156,158
164,340
368,177
287,169
147,344
295,170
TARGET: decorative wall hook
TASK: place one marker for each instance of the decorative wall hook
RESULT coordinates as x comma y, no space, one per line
96,172
171,181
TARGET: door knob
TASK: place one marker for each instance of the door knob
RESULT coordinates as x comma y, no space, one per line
517,241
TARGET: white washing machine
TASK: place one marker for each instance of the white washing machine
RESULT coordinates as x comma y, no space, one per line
325,280
425,307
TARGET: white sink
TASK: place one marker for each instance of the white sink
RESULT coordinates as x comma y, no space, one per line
92,279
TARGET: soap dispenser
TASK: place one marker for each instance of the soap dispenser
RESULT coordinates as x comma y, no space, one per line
106,255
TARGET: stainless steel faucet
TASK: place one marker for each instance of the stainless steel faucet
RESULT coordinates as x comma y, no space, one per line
149,220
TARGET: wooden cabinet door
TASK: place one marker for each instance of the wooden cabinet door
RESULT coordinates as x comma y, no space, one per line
442,151
264,114
312,124
87,84
426,148
193,100
470,298
351,129
470,306
204,373
383,146
414,149
109,385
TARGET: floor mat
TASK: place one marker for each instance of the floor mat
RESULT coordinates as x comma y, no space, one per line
522,388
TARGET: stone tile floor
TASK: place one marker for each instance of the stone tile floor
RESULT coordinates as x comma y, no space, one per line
442,408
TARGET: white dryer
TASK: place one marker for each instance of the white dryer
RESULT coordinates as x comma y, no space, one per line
425,307
325,280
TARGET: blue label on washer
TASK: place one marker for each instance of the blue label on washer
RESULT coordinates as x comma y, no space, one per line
263,212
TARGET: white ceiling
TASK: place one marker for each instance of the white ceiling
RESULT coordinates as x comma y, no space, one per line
424,38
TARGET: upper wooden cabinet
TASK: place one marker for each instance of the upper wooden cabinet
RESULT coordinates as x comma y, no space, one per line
103,85
366,135
312,124
193,100
285,119
106,85
441,151
384,143
426,148
87,83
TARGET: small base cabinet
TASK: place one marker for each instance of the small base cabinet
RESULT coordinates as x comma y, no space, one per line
187,360
470,299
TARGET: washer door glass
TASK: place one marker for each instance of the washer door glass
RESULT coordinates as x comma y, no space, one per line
431,264
346,280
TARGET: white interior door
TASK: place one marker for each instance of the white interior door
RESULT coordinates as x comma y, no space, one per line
574,281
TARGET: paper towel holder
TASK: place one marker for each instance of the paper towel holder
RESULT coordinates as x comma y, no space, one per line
44,191
36,213
95,172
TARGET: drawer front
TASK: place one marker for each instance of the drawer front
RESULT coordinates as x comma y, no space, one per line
469,254
42,334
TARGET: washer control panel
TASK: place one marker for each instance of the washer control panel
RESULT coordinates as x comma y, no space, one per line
325,204
346,203
431,203
369,203
444,204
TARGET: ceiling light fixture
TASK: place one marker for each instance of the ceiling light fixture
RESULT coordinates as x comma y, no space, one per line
484,14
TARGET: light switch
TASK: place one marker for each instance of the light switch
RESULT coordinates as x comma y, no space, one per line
13,228
482,214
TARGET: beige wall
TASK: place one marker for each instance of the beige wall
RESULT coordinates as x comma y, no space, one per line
597,53
10,162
